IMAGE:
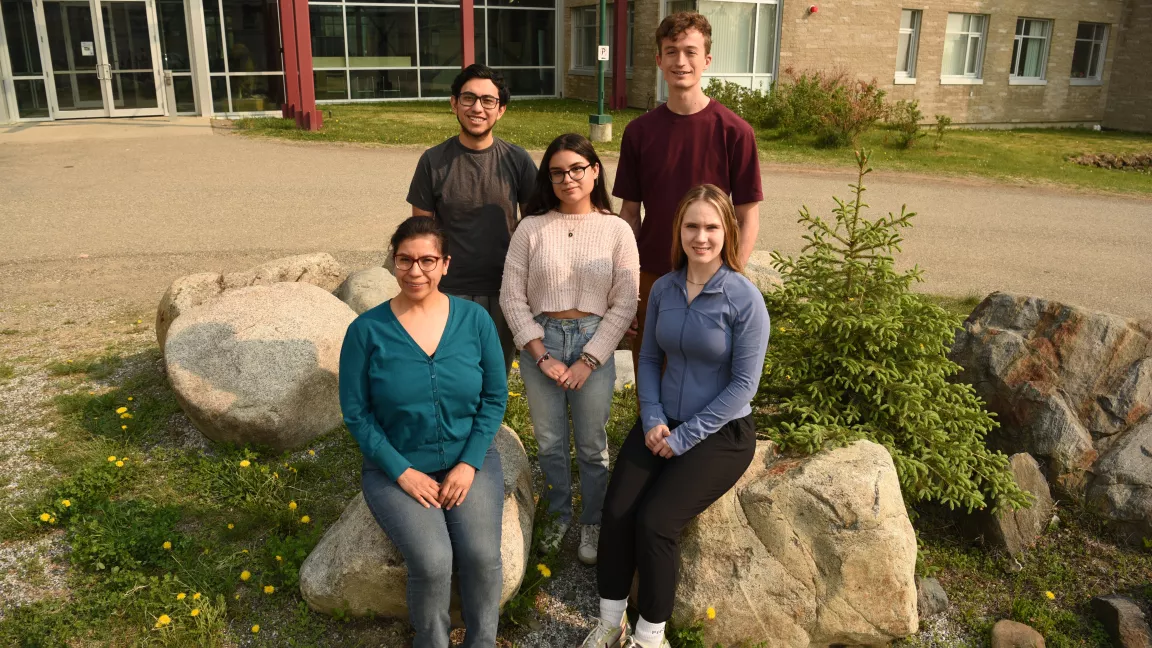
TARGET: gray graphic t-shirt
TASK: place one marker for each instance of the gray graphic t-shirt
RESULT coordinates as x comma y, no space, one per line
474,195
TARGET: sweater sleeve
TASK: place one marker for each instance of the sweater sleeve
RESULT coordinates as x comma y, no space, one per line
750,330
514,290
493,395
651,367
622,296
356,405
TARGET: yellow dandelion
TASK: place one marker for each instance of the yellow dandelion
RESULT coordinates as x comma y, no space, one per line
196,596
194,612
279,559
243,551
256,628
245,463
515,364
167,546
52,520
181,596
305,520
119,464
1050,596
851,299
69,362
66,503
237,597
513,394
164,620
129,398
125,415
111,459
292,505
711,613
311,453
91,393
275,475
139,321
231,526
123,427
268,589
245,575
121,410
544,571
628,386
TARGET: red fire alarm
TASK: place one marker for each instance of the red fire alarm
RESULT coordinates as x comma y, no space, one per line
813,9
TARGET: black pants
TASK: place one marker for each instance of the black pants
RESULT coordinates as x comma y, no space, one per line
650,500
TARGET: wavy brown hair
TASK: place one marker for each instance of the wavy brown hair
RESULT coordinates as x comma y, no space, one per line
678,23
719,200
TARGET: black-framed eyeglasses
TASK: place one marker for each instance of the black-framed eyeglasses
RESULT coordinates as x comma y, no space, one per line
427,263
576,173
467,99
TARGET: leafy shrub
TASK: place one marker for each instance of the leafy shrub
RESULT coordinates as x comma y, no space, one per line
942,124
905,117
853,109
752,106
856,355
799,102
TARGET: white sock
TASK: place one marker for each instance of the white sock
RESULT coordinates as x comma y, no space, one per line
648,634
612,611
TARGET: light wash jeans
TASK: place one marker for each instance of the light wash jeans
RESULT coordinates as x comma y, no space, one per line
434,542
590,406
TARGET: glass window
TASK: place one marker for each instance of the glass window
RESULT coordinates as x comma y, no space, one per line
1088,55
907,43
330,84
212,34
327,26
964,45
252,28
543,4
1030,49
20,30
586,35
766,39
185,96
385,84
438,83
173,35
219,94
529,83
737,21
479,44
381,37
257,92
520,37
31,99
441,43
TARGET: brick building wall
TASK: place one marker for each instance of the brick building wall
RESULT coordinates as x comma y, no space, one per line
643,78
1130,99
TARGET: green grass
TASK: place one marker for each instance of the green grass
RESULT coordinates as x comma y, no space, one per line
1025,155
7,371
94,368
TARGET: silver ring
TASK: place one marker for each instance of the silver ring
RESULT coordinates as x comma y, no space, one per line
567,383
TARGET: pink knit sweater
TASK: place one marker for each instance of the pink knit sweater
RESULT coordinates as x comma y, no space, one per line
558,262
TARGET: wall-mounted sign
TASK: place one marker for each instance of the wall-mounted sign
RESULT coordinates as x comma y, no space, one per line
602,53
87,48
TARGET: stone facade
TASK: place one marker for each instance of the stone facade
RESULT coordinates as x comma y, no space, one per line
1130,103
860,38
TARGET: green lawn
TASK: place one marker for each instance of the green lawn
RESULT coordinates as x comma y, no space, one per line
1027,155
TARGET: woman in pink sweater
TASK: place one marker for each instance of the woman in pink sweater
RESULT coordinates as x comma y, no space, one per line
570,290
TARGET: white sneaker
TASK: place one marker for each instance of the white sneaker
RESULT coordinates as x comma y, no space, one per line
608,636
633,643
589,538
552,537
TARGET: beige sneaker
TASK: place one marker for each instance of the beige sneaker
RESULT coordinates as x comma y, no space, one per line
632,643
552,537
606,636
589,538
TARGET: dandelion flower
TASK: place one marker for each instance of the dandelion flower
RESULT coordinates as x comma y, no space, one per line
181,596
245,575
231,526
123,427
311,453
275,475
125,415
66,503
711,613
129,398
237,597
513,394
138,321
515,364
245,463
243,551
164,620
196,596
256,628
119,464
52,520
194,612
111,459
544,571
292,505
305,520
279,559
168,547
268,589
1050,595
121,410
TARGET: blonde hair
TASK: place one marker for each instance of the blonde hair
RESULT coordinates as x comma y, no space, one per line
719,200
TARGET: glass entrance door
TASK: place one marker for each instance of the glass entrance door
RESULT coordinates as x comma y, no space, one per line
104,56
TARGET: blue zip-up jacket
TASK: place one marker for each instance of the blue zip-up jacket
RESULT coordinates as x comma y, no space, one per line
407,409
715,350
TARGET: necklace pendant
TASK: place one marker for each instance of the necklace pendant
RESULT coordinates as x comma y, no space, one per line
569,234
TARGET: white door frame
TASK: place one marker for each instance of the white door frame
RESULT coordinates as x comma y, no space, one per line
157,62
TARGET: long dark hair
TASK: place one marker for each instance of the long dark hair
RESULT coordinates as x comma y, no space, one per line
544,200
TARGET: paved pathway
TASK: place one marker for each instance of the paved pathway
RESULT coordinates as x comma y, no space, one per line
146,201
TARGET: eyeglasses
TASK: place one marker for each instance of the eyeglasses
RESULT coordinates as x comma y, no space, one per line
467,99
427,264
576,173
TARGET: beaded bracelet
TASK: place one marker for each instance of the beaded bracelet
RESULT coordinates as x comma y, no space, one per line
541,359
592,363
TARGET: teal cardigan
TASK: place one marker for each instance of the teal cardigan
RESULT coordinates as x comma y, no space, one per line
409,410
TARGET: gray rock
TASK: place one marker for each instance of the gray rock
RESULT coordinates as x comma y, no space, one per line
260,365
367,289
1122,489
1017,531
357,569
804,552
1011,634
625,373
931,599
760,271
1124,621
319,269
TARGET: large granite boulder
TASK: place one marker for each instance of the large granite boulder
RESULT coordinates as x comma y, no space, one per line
1017,530
1122,488
1012,634
804,552
1124,621
356,568
1069,386
760,271
260,365
367,289
187,292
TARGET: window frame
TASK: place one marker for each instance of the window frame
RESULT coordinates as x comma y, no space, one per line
1098,78
976,78
908,75
1017,49
579,67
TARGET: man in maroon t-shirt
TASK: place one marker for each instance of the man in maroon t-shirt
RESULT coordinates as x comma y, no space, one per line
690,140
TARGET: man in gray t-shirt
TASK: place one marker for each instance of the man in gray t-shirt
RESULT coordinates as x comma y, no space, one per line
472,184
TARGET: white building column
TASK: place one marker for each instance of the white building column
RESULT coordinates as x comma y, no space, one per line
198,44
7,90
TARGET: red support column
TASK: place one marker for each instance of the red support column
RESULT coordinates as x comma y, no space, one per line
291,73
307,117
619,56
468,31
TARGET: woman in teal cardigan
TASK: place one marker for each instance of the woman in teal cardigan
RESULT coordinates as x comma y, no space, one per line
423,390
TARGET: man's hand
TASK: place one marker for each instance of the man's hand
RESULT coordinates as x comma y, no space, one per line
421,487
573,377
456,485
656,440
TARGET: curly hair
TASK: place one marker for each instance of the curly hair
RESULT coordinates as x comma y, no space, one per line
676,24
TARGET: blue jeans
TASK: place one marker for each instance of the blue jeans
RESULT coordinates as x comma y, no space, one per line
434,542
591,405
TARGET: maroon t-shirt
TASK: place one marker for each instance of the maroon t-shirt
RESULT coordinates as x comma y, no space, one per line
663,155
